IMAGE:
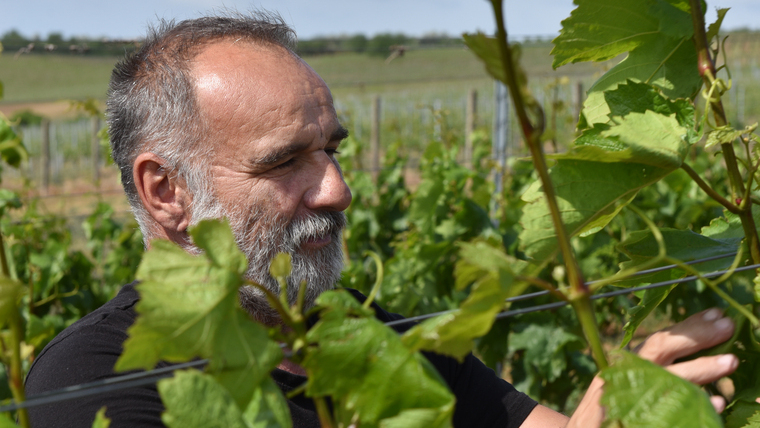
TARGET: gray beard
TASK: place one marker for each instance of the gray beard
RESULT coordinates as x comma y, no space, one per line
261,236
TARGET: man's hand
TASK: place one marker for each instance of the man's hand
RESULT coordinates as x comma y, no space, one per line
700,331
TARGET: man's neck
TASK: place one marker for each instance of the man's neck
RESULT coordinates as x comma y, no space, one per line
291,367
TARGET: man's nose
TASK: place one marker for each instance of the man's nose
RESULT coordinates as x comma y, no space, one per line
330,191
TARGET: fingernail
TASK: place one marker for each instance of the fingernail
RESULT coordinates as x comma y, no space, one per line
723,324
727,361
712,314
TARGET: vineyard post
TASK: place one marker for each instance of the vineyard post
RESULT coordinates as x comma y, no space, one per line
95,149
375,136
45,154
578,98
469,127
501,136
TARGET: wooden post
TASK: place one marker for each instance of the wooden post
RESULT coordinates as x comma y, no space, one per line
469,125
95,150
45,161
579,99
375,136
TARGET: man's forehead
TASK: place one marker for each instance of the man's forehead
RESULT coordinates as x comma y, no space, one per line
229,62
249,93
231,75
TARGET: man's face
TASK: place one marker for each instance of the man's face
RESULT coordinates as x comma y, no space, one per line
274,171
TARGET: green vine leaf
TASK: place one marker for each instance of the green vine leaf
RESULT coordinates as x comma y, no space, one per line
685,245
714,28
639,393
454,333
649,302
6,422
546,347
12,150
268,408
727,135
600,175
351,359
487,50
101,420
634,97
658,43
585,35
722,237
744,414
195,400
206,322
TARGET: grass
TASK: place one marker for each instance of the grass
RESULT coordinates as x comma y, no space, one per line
45,78
411,86
49,77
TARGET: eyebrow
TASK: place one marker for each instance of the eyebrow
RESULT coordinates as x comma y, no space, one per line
277,156
340,133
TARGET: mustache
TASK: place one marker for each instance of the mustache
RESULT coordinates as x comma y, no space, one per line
315,225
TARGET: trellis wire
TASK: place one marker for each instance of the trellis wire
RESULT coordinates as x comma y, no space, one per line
639,273
152,376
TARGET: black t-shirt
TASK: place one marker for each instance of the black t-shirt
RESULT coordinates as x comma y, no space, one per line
88,349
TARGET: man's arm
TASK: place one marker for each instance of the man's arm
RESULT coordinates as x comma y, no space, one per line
700,331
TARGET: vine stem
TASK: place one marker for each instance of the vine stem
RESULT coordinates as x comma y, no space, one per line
323,412
532,136
16,376
579,294
707,71
731,207
585,312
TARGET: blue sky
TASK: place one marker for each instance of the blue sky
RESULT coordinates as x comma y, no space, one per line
128,19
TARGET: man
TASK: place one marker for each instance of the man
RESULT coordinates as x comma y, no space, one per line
218,117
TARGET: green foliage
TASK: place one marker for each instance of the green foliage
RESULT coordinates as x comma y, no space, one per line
208,322
101,420
194,399
639,393
494,281
659,45
744,414
26,117
355,355
442,250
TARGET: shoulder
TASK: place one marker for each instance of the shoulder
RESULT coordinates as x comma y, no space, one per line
85,348
86,352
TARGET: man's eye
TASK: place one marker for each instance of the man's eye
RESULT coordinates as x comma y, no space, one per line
286,164
332,152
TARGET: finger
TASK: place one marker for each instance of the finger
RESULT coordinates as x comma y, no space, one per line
705,369
718,402
700,331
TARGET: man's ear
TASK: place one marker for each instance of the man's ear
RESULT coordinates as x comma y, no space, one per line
163,195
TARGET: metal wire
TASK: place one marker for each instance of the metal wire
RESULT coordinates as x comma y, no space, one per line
152,376
639,273
103,386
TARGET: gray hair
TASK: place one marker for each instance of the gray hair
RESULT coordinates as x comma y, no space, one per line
152,106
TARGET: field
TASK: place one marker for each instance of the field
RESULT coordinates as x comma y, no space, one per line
423,96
